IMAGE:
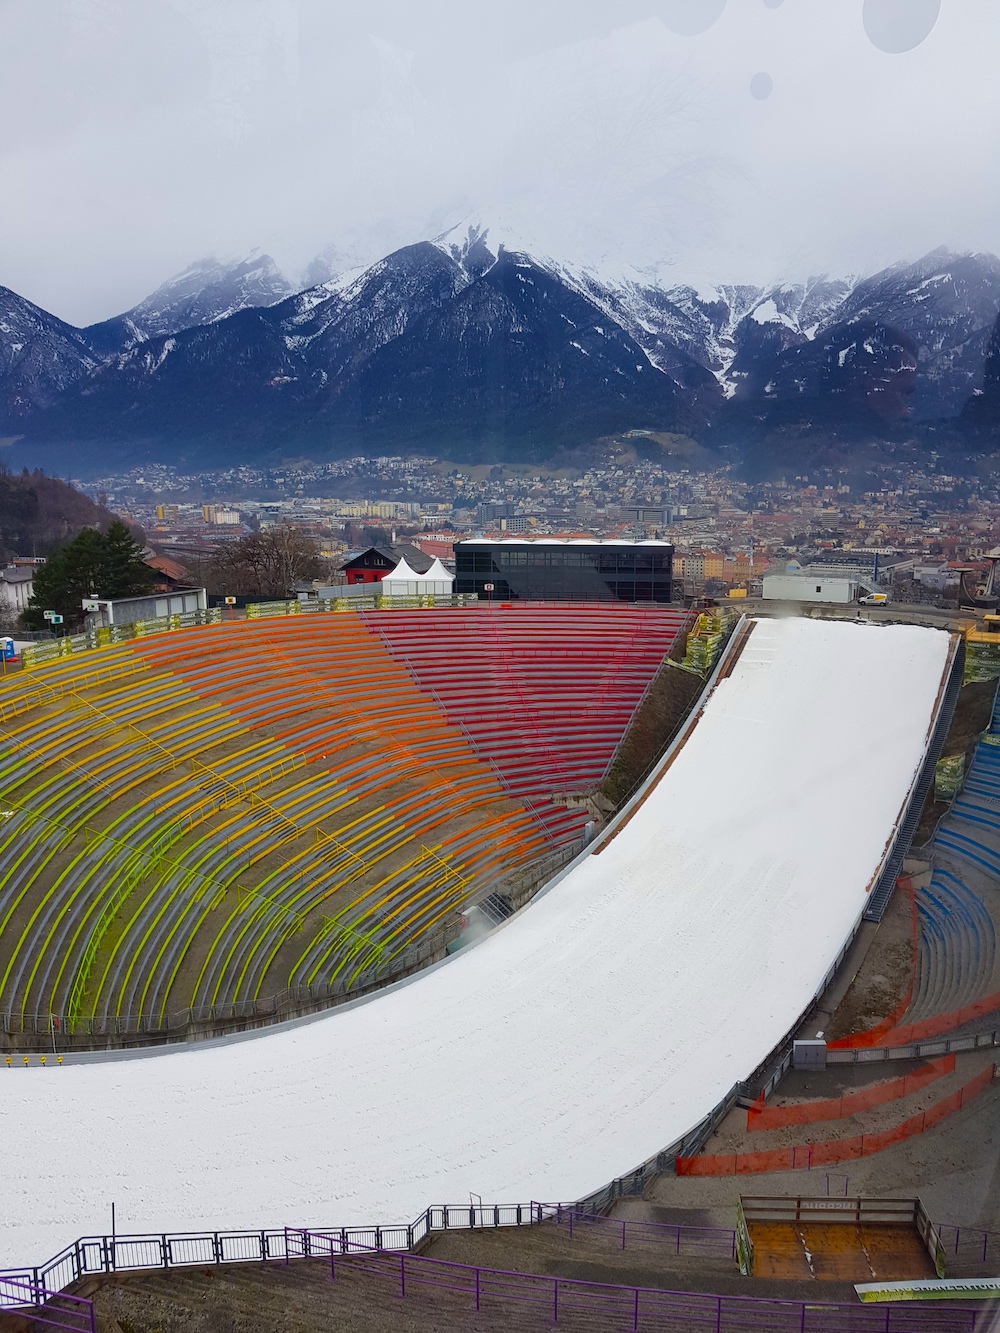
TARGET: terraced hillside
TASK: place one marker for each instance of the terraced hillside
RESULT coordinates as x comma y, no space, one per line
212,821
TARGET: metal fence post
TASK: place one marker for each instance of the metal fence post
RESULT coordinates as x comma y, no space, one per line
402,1275
635,1314
477,1288
555,1300
164,1252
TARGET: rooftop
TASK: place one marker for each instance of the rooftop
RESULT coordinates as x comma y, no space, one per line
557,541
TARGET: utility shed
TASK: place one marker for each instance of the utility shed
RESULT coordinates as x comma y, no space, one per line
809,588
129,610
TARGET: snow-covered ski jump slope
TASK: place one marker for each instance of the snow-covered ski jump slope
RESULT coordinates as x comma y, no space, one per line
594,1028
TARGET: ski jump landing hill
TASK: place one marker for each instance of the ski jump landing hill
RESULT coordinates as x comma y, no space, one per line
595,1027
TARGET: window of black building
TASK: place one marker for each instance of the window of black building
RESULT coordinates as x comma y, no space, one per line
565,572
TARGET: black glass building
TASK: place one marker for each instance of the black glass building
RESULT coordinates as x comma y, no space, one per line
553,570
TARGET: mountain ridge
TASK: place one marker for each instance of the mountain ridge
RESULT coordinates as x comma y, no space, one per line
463,340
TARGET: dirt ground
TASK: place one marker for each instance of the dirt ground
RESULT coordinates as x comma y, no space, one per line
953,1167
885,976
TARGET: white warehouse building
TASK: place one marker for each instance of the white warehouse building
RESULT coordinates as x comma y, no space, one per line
809,587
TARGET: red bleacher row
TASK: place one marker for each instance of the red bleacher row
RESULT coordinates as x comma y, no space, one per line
545,693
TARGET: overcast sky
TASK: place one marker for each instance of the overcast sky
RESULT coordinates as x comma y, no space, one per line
716,140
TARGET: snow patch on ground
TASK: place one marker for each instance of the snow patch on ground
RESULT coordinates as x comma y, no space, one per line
599,1024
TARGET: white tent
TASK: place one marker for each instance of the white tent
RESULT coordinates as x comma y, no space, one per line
404,581
439,580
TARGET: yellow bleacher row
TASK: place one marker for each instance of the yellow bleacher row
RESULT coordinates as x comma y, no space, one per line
262,769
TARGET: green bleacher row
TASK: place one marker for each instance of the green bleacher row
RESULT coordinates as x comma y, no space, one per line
105,891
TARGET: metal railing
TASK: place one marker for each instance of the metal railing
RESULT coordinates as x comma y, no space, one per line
375,602
858,1055
631,1307
50,1309
627,1234
969,1252
91,1255
42,1287
40,654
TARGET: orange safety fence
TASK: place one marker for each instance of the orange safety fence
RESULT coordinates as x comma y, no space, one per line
831,1151
838,1108
926,1027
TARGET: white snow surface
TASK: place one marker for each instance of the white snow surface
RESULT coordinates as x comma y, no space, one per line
590,1031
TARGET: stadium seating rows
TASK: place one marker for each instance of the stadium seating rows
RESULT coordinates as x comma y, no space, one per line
179,811
957,947
545,697
957,932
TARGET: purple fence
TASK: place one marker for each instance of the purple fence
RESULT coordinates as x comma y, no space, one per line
640,1309
693,1242
51,1309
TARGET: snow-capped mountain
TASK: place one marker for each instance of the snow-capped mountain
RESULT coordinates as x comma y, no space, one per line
862,366
947,304
204,293
469,341
39,357
420,348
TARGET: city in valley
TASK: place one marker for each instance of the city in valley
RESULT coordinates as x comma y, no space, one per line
923,525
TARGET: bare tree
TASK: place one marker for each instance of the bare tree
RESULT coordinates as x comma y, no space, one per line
265,564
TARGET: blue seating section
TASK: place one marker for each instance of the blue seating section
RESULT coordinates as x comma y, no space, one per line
956,931
957,947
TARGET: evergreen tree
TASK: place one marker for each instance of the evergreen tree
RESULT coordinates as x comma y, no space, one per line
123,572
93,564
